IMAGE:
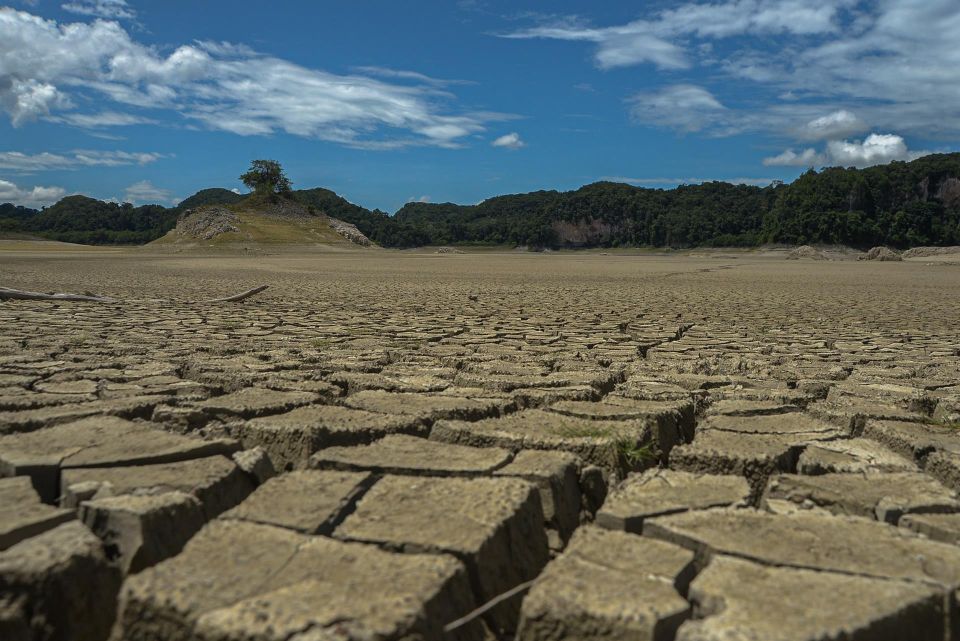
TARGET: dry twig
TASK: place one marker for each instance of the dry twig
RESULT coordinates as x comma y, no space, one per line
7,293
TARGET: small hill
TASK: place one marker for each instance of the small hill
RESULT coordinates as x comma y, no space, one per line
212,196
255,221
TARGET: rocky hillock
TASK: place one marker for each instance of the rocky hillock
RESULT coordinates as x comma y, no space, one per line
206,223
262,221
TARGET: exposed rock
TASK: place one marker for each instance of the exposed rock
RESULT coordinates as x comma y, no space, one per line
251,402
143,530
806,251
913,440
290,439
256,463
659,492
205,223
215,481
883,496
925,252
494,525
616,446
238,580
429,407
938,527
24,515
881,254
96,442
632,594
349,231
402,454
737,599
308,501
945,467
59,586
855,455
754,456
814,541
851,413
556,475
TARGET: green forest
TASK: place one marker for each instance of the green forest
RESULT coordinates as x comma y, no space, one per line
901,204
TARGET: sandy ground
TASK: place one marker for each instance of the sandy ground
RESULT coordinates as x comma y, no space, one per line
446,427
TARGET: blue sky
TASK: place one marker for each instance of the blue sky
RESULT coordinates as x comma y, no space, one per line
386,102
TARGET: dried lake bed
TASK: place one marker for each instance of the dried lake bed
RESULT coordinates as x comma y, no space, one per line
714,446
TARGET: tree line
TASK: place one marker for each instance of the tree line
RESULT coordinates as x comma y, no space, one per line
900,204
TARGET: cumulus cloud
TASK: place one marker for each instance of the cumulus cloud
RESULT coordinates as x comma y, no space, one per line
875,149
145,192
510,141
217,85
19,161
110,9
29,196
894,63
839,124
683,107
791,158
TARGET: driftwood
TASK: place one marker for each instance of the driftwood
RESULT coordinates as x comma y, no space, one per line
17,294
500,598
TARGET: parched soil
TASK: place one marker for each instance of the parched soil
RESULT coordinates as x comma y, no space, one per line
627,446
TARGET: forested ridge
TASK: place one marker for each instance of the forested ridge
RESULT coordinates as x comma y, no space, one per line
901,204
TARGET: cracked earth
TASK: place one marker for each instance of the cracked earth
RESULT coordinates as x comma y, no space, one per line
629,447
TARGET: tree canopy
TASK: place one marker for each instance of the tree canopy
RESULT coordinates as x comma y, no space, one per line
901,204
266,177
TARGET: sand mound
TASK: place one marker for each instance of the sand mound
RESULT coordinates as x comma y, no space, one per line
881,253
806,251
924,252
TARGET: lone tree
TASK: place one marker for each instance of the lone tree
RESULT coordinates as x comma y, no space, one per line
266,177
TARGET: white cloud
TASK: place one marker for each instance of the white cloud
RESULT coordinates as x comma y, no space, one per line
218,85
110,9
28,99
687,108
421,199
839,124
145,192
510,141
631,44
875,149
790,158
404,74
893,63
19,161
29,197
652,40
102,119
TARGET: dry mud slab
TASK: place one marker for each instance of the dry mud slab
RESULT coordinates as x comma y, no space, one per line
626,446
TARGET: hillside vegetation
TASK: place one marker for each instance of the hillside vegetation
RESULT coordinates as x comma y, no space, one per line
902,204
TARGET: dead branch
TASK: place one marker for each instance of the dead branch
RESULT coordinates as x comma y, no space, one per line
467,618
7,293
16,294
237,297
